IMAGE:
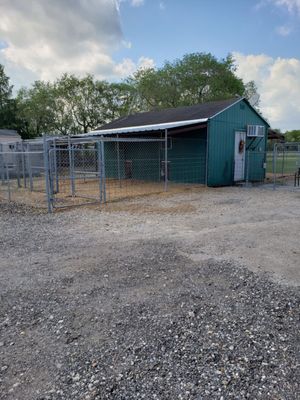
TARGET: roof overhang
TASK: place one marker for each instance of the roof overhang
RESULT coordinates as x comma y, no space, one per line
144,128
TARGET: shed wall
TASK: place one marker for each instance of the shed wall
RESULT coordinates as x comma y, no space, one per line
221,137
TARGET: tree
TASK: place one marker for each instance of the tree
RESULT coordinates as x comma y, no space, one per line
5,87
78,105
83,100
36,109
118,101
292,136
7,104
194,79
251,93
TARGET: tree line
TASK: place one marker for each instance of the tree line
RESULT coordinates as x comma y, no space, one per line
76,105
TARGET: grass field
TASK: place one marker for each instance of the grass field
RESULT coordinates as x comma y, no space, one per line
287,163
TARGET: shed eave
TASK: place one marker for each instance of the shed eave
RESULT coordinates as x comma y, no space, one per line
143,128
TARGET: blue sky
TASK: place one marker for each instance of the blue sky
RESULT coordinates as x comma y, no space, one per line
216,26
111,39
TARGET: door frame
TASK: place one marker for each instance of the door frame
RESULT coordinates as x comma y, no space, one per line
240,136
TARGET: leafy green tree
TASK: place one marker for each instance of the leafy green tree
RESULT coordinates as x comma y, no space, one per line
83,100
194,79
7,104
292,136
118,101
5,87
36,109
251,93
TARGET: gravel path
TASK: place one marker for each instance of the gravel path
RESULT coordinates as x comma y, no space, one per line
122,304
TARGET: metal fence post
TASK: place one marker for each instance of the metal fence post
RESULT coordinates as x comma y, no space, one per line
283,161
274,165
29,170
103,172
2,165
118,162
47,174
166,160
24,164
98,147
55,166
71,166
8,182
18,168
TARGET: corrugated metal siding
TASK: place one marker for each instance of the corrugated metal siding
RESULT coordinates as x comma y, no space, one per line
221,138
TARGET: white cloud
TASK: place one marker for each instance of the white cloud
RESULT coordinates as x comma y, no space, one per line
137,3
47,38
128,67
291,5
278,81
145,63
284,30
126,44
133,3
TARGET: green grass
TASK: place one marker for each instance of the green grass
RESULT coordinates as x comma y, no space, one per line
287,164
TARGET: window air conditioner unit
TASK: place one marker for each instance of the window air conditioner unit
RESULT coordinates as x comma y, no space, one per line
255,130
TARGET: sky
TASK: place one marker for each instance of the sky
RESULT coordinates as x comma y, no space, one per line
41,39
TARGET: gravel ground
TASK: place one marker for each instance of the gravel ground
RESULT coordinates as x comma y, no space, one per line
189,296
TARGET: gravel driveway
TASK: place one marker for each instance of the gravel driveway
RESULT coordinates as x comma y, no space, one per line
186,296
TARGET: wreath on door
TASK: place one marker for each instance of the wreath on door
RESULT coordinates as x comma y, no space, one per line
241,146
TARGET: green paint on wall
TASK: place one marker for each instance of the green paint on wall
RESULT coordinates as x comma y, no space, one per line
221,138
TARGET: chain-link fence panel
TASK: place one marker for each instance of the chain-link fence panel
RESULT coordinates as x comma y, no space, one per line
132,168
22,177
74,176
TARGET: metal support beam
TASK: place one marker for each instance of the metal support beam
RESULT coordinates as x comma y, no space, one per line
99,152
17,163
118,161
2,166
8,182
166,160
103,172
274,165
47,175
55,166
24,164
29,171
71,166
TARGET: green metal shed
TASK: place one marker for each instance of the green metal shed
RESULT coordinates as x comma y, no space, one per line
217,143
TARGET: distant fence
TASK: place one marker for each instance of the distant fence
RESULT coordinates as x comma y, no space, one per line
284,164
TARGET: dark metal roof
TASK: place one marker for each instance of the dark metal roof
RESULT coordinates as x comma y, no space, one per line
198,111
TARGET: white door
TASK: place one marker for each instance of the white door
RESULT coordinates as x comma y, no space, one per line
239,156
